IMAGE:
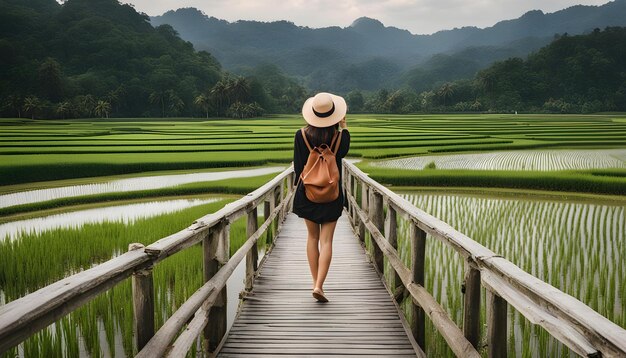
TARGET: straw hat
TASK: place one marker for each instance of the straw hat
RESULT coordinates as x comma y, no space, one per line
324,110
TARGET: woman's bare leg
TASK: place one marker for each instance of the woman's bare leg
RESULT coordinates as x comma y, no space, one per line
326,251
312,252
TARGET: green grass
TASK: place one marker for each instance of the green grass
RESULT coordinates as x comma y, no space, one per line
588,181
44,150
36,260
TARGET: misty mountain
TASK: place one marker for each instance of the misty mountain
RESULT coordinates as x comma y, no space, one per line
369,55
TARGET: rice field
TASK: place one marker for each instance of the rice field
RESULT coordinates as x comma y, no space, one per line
73,168
577,247
33,259
541,160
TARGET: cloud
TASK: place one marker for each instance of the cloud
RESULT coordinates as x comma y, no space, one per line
417,16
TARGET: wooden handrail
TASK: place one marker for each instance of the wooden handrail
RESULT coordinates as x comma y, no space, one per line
24,317
567,319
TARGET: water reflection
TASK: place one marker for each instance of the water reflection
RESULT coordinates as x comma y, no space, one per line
120,213
130,184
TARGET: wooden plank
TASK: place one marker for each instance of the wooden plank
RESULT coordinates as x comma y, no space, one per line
450,332
24,317
205,295
536,314
280,316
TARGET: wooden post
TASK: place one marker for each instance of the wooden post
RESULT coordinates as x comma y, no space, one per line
266,214
365,209
471,310
377,216
281,197
253,255
391,233
496,325
219,239
143,302
418,257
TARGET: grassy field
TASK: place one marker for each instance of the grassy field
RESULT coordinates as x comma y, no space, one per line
43,150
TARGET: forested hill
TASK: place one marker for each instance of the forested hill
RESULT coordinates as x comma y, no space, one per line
368,55
98,58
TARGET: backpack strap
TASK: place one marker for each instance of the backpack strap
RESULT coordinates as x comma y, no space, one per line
306,141
337,144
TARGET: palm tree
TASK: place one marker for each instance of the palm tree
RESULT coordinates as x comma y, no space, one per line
176,103
446,91
15,102
64,108
86,104
32,104
218,94
103,108
240,89
158,97
203,102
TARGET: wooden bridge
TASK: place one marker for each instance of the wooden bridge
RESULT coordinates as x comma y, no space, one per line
278,315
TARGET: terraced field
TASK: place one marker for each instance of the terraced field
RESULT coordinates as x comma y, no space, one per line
544,160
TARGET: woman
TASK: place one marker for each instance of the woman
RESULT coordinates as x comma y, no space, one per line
325,114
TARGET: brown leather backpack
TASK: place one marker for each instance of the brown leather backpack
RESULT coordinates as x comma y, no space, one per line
320,175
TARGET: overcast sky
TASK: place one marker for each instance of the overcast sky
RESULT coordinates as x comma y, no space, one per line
417,16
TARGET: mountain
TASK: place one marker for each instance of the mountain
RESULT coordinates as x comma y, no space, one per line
325,57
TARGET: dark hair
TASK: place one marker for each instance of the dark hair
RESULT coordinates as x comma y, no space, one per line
319,135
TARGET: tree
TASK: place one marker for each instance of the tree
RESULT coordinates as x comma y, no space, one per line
85,105
203,102
15,103
103,108
218,95
239,89
355,101
32,104
176,104
64,109
158,97
445,92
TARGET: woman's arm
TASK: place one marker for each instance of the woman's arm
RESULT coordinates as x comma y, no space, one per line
298,165
344,146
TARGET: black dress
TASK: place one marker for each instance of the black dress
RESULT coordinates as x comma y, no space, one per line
303,207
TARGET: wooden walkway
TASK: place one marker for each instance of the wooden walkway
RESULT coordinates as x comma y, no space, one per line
281,318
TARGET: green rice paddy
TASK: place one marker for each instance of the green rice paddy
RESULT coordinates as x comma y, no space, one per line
575,245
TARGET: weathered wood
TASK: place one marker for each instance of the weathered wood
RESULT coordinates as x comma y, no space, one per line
377,216
536,314
471,304
418,257
391,233
188,337
606,336
217,313
253,256
438,316
211,263
143,302
174,243
496,325
205,296
24,317
280,315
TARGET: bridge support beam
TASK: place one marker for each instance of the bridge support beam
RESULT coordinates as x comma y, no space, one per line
252,258
216,249
391,233
471,308
496,325
376,215
143,302
418,257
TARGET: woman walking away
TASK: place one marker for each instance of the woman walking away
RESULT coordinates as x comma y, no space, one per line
317,154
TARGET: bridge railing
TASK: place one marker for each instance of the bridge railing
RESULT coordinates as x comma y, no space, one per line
24,317
575,324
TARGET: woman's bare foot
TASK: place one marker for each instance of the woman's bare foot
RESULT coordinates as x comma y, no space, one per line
319,295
